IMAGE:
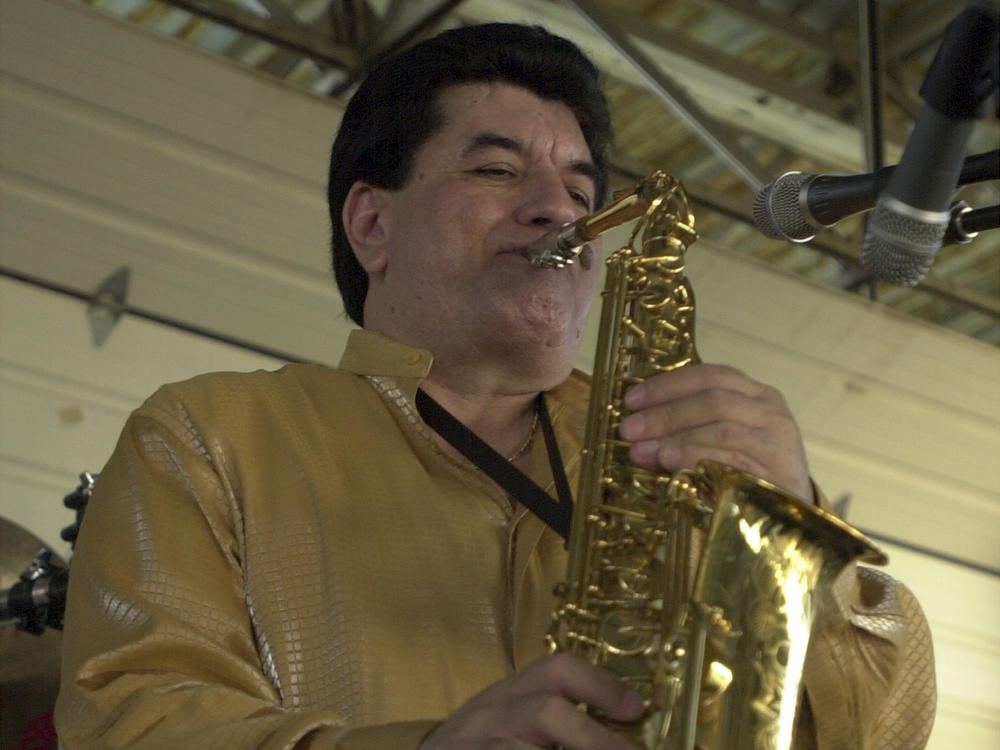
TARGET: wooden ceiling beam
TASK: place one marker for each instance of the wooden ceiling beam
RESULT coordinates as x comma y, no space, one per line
744,97
294,37
909,33
784,25
406,19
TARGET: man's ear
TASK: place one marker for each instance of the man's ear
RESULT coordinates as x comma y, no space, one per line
363,226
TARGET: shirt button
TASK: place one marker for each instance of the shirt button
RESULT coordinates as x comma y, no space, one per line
412,359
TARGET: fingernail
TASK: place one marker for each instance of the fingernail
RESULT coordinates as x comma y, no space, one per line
634,396
633,426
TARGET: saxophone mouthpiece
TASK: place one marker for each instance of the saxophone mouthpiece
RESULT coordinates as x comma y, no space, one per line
571,242
570,245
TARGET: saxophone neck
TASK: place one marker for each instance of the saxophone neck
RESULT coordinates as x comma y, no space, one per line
571,242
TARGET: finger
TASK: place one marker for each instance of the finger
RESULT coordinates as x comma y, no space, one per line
549,720
686,381
686,450
672,418
581,682
782,464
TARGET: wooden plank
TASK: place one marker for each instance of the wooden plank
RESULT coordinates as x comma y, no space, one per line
63,401
61,238
167,84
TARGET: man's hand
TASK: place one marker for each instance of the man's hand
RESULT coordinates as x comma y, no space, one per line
715,412
536,708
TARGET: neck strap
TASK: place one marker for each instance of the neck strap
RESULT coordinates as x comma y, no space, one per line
556,514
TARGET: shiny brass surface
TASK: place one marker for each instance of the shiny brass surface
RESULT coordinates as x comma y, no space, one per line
572,238
697,588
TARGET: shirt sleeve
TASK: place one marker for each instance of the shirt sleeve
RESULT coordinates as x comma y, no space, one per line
869,674
159,648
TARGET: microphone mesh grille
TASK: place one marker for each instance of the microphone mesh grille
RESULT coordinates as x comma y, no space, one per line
776,210
900,248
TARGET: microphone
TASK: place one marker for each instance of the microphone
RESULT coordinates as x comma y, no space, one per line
797,205
906,229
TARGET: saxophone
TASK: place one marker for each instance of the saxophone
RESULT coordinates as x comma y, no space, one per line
697,588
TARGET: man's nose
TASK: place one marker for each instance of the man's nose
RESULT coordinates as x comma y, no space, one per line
546,201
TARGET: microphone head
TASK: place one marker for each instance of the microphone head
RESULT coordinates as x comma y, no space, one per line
778,209
901,241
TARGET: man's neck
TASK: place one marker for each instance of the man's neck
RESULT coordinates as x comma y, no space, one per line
504,420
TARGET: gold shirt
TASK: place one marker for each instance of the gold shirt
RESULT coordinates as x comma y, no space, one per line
287,560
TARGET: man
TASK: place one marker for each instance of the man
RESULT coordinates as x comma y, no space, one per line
298,559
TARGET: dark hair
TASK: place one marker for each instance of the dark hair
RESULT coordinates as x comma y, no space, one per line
396,109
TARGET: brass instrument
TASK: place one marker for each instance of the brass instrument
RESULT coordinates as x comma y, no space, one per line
718,662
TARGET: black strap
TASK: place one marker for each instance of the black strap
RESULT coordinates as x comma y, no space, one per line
556,514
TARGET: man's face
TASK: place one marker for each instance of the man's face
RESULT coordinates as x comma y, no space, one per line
486,192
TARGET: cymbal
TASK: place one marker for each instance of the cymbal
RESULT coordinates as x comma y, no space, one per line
29,664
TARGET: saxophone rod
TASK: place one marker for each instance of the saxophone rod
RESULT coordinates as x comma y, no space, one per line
571,242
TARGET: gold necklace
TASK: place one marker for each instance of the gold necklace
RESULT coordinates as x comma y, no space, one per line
527,443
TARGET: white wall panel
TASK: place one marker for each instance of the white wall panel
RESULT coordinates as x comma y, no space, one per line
963,609
63,401
208,181
902,416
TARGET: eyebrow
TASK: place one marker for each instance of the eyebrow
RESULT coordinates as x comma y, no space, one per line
489,139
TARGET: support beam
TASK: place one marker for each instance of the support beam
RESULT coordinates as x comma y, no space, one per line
743,96
278,12
405,19
717,136
912,33
785,26
870,81
306,42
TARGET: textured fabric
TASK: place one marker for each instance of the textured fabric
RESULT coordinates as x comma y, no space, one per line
287,560
870,675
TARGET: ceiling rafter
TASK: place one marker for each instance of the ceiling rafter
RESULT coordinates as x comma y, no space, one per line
279,12
302,40
405,19
913,32
352,22
727,65
788,28
743,96
717,135
781,75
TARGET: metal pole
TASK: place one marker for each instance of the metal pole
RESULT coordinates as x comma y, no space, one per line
718,137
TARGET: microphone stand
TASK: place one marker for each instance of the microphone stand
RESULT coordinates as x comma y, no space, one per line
966,222
38,599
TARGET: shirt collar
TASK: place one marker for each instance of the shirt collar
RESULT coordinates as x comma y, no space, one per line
370,353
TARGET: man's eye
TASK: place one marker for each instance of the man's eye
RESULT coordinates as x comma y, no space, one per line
582,198
495,171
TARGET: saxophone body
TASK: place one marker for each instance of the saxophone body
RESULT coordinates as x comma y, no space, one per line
697,588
